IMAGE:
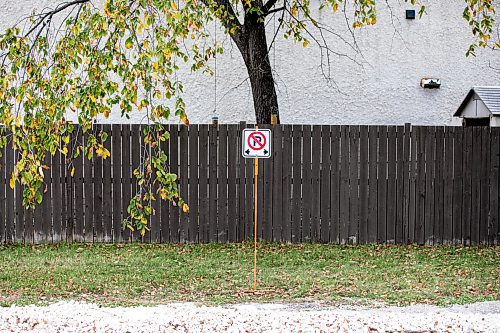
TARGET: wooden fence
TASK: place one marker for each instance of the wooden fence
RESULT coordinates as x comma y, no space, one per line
337,184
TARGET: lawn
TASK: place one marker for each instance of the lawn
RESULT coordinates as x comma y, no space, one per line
129,274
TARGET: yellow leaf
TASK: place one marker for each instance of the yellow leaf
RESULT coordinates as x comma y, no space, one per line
143,231
174,6
72,172
185,208
12,183
294,11
305,43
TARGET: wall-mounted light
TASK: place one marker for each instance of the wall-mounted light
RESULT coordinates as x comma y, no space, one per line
430,83
410,14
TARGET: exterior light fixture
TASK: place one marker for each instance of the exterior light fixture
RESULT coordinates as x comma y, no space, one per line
410,14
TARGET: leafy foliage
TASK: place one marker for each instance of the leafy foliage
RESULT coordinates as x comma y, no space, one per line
124,58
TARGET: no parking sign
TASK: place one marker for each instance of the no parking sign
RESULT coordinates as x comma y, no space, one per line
256,143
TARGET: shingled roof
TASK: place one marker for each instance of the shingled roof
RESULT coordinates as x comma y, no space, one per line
489,95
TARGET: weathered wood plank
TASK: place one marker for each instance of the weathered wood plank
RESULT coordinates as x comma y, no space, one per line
467,185
363,185
107,190
430,144
174,168
249,195
3,187
392,200
88,193
57,196
493,221
353,228
183,182
232,191
325,183
438,187
203,189
9,196
212,180
382,185
241,183
277,182
316,188
193,185
46,204
448,187
267,195
222,196
127,176
116,160
420,192
287,184
458,179
373,184
400,186
297,177
306,183
98,195
484,185
76,196
344,186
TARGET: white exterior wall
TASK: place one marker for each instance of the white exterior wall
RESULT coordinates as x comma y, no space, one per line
396,54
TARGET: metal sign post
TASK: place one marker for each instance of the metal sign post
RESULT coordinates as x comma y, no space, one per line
256,144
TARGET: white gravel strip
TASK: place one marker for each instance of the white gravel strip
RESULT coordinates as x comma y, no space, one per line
303,317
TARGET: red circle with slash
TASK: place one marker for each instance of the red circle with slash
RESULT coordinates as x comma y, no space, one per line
257,144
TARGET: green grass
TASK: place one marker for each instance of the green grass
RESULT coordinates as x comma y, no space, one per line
211,273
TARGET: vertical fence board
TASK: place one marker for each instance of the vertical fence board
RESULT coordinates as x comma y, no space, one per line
430,145
406,179
127,177
382,185
116,160
232,193
325,204
241,180
344,185
222,185
353,230
267,195
212,180
306,183
493,220
438,186
373,184
98,195
57,194
9,196
203,192
19,213
77,210
420,187
476,182
448,187
335,185
107,192
296,201
392,199
277,179
287,184
88,216
363,185
458,179
413,184
484,163
316,189
174,168
468,161
193,185
46,203
3,187
183,182
400,186
137,157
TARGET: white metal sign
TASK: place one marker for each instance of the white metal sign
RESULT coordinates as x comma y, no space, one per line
256,143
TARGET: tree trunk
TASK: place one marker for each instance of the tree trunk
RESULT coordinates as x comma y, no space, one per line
252,43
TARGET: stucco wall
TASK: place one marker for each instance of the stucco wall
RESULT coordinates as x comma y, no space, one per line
383,88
